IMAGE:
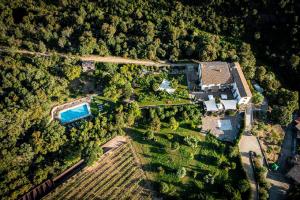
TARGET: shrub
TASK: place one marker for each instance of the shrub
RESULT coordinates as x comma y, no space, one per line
230,112
190,156
173,124
244,185
209,178
181,172
233,165
194,174
170,136
191,141
161,170
263,194
164,188
149,135
175,145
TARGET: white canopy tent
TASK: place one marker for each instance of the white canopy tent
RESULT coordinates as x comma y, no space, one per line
165,86
211,105
229,104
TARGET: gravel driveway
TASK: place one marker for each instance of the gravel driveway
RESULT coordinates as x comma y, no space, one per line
246,144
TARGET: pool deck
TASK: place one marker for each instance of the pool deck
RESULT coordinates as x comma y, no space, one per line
74,107
77,102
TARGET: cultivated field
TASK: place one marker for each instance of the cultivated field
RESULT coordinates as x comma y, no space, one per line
116,176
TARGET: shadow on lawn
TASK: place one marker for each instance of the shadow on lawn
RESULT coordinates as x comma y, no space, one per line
155,167
206,159
187,125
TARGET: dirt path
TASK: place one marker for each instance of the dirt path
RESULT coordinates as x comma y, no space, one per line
95,58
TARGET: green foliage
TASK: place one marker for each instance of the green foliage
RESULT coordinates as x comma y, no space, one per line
244,185
181,172
166,157
155,87
173,123
155,124
191,141
257,98
72,72
164,188
175,145
149,135
209,178
174,84
92,153
30,87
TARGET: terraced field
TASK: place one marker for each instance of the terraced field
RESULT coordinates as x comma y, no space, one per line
116,176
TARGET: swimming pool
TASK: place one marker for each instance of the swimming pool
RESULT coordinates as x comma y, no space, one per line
74,113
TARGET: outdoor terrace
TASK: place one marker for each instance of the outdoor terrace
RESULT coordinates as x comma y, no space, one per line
203,95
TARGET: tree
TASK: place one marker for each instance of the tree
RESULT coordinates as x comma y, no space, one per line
92,152
155,87
263,194
174,84
209,178
281,115
72,72
244,185
128,90
87,43
173,123
191,141
155,124
294,61
149,135
181,172
175,145
257,98
164,188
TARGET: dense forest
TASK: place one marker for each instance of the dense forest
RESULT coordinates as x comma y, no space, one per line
260,34
158,29
33,148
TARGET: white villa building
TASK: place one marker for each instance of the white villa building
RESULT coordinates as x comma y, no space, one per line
218,76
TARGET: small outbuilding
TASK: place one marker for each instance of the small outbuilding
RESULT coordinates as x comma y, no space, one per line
166,86
88,66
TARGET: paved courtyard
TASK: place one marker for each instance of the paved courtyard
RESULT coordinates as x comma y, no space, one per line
224,128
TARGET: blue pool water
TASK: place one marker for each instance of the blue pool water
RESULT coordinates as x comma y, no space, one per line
74,113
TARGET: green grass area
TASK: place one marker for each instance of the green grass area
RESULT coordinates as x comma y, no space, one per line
161,161
165,102
98,100
147,97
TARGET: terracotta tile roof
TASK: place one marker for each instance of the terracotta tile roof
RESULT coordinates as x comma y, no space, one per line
215,73
240,80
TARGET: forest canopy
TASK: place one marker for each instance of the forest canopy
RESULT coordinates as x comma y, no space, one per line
259,34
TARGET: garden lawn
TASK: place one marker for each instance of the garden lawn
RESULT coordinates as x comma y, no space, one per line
107,104
161,162
151,98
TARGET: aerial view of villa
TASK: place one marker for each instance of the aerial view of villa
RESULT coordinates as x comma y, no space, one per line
149,100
